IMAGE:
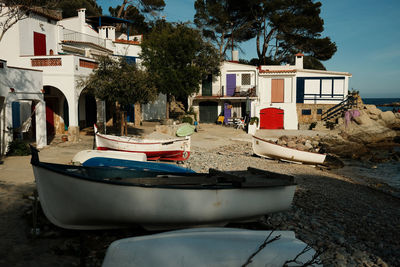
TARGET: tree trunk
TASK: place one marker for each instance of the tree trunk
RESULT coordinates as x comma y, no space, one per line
167,107
121,9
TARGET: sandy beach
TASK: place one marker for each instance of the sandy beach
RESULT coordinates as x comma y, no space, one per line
352,220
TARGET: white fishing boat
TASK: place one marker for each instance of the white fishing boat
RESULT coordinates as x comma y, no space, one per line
84,155
177,149
78,197
268,149
211,247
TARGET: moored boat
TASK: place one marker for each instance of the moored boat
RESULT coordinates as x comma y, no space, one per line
268,149
177,149
210,247
78,197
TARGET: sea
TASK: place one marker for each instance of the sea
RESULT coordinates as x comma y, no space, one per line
387,172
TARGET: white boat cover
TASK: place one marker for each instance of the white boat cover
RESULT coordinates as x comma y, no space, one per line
206,247
84,155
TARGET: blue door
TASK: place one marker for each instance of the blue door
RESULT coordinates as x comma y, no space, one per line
230,84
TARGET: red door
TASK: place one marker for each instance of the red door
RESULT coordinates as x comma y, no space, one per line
49,119
39,44
271,118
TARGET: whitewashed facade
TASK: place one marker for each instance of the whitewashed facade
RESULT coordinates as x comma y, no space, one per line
20,94
64,51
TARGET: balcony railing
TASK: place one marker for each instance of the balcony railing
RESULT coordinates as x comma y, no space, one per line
46,62
81,37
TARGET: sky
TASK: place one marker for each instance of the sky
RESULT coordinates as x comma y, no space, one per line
366,32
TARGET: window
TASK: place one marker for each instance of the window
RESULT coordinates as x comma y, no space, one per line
319,111
246,79
1,65
306,112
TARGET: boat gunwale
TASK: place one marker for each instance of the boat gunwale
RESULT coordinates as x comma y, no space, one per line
217,186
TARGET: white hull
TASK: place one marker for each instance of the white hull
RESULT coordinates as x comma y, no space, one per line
75,203
84,155
263,148
207,247
168,149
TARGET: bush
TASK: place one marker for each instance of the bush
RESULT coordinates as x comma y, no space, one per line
18,148
187,119
254,120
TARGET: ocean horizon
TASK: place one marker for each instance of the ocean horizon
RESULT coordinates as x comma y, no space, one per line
381,101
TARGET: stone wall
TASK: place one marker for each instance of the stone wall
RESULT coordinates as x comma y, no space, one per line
315,110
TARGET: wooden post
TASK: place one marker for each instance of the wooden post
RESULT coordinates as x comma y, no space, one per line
122,123
138,114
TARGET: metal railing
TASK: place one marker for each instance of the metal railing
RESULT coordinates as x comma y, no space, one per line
339,109
74,36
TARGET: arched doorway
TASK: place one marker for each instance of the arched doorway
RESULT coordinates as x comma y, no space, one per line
208,111
271,118
87,109
56,111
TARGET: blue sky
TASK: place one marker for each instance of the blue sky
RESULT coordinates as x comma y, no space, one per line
366,33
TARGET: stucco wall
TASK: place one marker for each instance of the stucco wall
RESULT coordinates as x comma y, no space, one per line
37,24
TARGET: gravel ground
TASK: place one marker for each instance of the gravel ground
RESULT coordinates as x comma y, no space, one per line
353,223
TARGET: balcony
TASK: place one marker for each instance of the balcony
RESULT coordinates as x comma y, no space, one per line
238,93
77,37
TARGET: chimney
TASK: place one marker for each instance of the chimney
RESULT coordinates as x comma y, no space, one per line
103,32
111,33
299,60
235,55
82,15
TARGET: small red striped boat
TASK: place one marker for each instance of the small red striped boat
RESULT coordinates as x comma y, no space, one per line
155,149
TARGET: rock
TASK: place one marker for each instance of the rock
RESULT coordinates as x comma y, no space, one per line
300,147
363,119
388,117
372,109
291,144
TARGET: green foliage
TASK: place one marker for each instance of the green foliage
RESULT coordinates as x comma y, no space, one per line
281,28
254,120
18,148
139,25
222,22
187,119
69,7
177,58
116,80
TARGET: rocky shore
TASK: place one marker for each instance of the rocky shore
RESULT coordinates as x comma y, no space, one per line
352,222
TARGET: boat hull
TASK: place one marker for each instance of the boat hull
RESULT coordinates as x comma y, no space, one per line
174,150
263,148
208,247
74,203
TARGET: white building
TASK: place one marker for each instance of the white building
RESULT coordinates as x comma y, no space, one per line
64,51
290,95
231,94
20,95
281,96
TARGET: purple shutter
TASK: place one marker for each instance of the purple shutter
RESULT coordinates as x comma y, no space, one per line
230,84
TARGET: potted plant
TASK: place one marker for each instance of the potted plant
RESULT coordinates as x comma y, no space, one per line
253,125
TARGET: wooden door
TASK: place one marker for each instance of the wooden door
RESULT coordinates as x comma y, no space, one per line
206,88
39,44
277,91
271,118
